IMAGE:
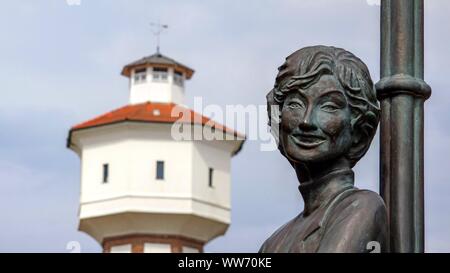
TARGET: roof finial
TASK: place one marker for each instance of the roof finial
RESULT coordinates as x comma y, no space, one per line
157,30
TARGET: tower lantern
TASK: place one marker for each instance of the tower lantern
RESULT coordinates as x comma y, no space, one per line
157,78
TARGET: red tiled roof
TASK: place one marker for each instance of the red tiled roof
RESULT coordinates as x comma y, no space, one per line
153,112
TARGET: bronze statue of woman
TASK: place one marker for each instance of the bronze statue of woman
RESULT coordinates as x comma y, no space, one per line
324,112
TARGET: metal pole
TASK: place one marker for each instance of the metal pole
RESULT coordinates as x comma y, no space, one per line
402,93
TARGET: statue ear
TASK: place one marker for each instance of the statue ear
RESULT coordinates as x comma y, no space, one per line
360,145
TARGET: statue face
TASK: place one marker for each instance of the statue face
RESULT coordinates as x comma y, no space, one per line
316,122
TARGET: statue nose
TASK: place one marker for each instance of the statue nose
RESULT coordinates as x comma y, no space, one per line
307,123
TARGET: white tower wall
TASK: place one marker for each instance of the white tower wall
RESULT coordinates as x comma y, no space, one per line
206,156
134,201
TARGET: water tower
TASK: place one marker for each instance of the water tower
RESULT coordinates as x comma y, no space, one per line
142,190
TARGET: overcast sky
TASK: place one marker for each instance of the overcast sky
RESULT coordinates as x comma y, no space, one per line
60,65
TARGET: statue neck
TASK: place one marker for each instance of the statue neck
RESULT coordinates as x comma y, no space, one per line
320,188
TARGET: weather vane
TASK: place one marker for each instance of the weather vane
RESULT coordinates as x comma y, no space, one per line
157,30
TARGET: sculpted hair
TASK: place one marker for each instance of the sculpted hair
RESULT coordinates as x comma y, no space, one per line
305,67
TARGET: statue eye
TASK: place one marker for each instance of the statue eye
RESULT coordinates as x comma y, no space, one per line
295,105
330,107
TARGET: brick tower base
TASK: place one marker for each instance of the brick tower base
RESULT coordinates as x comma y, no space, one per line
139,243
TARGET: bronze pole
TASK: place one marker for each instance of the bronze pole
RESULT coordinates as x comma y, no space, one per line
402,93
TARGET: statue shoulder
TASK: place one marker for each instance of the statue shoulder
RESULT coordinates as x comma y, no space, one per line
359,207
361,217
362,203
366,200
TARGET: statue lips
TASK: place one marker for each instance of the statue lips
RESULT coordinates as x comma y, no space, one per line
307,141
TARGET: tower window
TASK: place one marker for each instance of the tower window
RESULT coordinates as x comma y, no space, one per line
140,76
210,177
160,170
160,74
178,78
105,173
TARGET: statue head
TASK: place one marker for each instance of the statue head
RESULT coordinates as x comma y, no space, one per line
324,106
